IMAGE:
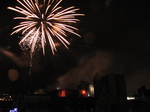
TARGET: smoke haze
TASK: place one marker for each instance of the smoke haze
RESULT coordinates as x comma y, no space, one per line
88,66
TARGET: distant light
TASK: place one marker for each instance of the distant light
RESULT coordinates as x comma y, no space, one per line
91,90
130,98
1,99
14,110
62,93
58,88
83,93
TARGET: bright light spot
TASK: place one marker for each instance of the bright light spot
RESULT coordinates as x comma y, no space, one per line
130,98
14,110
91,87
91,90
83,92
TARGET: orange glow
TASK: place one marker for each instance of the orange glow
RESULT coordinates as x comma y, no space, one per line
62,93
84,93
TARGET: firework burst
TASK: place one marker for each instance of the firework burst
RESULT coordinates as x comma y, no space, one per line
42,21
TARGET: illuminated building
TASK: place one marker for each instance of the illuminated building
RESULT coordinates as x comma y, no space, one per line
110,93
62,93
83,93
5,97
83,89
139,102
57,103
5,102
91,90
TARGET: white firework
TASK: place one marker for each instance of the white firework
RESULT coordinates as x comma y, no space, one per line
42,21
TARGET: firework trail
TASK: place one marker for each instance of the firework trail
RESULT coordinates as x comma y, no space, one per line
44,21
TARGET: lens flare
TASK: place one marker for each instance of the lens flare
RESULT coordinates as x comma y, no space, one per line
42,22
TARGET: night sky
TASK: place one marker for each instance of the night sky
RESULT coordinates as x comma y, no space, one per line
115,39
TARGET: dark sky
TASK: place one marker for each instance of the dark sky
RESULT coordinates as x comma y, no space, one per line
115,39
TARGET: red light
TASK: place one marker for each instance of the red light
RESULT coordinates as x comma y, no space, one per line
62,93
83,93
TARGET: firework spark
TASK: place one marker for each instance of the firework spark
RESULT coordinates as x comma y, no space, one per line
42,21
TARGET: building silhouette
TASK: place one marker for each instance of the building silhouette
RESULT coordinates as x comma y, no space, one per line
83,89
107,95
110,93
141,101
144,94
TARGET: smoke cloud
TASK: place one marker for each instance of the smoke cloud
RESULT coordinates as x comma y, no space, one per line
14,58
135,69
23,60
88,66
